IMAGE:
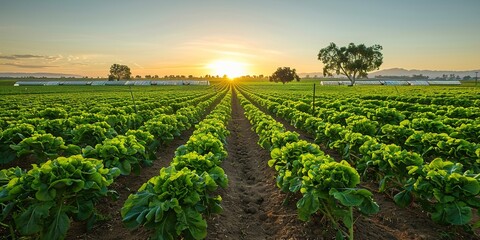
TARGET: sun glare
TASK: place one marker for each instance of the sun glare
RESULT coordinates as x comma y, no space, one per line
230,68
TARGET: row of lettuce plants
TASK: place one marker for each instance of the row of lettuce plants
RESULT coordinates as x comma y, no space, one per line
433,101
446,189
174,202
45,110
430,138
42,202
69,137
339,107
96,101
326,186
457,122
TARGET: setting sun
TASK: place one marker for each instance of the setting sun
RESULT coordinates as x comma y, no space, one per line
230,68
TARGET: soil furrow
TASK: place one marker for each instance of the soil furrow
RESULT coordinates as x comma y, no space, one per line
243,198
253,206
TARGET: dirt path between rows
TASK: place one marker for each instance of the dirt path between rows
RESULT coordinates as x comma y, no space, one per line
252,203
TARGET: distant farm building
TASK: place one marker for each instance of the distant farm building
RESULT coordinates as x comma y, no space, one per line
112,83
392,82
455,82
395,83
368,83
418,83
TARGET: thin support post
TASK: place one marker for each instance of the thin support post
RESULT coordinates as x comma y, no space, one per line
476,78
133,99
313,101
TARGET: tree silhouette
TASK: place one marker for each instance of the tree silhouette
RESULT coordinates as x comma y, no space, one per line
352,61
118,72
284,75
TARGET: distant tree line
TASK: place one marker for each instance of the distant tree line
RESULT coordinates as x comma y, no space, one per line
207,76
122,72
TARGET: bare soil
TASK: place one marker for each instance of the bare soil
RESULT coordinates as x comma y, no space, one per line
253,206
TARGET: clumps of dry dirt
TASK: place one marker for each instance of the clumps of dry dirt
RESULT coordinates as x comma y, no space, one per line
254,208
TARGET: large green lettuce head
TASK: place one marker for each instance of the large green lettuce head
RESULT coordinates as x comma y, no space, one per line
202,163
280,139
203,144
335,175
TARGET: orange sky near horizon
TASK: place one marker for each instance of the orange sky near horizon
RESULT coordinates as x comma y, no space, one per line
243,37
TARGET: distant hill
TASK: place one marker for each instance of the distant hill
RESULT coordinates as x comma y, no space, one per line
430,73
38,75
404,72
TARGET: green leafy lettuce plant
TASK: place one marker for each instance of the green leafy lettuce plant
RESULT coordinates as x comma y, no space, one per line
42,201
44,147
123,152
172,204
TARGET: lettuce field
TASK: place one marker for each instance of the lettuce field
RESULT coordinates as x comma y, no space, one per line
240,160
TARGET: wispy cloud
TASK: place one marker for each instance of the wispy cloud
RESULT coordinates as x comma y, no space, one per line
46,61
79,64
26,65
232,53
232,47
27,56
184,66
138,65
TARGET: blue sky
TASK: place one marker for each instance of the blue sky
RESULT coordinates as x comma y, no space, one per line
185,37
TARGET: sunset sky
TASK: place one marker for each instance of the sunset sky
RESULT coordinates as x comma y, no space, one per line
255,37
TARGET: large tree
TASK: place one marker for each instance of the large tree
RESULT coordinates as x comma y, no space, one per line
284,75
353,61
118,72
